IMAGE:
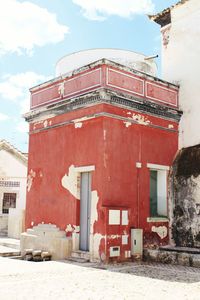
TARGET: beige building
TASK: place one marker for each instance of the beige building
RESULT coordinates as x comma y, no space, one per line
13,172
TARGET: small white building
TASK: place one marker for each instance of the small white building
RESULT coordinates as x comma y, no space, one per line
13,174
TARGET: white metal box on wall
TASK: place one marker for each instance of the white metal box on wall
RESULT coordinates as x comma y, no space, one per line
114,251
136,242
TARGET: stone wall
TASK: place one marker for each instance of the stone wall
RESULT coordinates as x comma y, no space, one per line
186,197
172,257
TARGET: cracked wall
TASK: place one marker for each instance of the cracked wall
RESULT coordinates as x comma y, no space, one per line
186,197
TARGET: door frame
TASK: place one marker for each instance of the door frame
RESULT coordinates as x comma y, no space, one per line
85,212
79,170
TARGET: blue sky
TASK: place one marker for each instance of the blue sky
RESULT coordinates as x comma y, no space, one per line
39,32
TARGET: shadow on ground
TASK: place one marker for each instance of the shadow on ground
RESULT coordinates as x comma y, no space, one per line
171,273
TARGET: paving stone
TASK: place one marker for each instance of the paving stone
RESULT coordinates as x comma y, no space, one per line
37,258
48,258
28,257
183,259
167,257
45,254
195,260
36,253
28,251
151,255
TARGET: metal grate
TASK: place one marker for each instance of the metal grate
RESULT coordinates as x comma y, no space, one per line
9,183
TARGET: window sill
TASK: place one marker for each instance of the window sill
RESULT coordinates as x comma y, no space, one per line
157,219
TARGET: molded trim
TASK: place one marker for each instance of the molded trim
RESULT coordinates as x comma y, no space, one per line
158,167
85,169
157,219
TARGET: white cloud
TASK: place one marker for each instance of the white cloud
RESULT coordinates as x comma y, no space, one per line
101,9
25,25
22,127
16,88
3,117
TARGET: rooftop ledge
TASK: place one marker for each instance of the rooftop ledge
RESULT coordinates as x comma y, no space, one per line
100,62
105,74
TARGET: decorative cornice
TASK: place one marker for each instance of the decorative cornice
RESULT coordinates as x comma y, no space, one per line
104,96
97,64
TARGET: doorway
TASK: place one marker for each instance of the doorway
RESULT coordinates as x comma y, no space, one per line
85,210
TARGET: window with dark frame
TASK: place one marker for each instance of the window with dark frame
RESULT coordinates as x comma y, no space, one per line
9,201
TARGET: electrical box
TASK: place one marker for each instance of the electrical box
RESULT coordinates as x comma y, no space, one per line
114,251
137,242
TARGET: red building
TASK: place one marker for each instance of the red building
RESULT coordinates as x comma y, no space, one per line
102,140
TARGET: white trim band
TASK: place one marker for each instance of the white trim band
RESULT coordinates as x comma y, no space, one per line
157,219
158,167
85,169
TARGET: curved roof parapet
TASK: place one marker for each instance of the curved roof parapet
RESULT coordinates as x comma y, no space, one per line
127,58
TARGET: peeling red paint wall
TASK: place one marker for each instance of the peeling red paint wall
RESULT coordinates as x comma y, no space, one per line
114,148
118,78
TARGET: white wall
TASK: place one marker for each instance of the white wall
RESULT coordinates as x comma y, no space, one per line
131,59
181,63
16,224
13,169
11,166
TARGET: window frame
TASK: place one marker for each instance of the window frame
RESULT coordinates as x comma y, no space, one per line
161,170
5,210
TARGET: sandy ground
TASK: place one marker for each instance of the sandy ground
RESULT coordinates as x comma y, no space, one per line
65,280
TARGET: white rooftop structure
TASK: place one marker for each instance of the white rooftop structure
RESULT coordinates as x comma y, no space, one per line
82,58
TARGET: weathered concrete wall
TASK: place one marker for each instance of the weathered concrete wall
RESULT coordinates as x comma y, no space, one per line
186,197
181,64
16,223
172,257
46,237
